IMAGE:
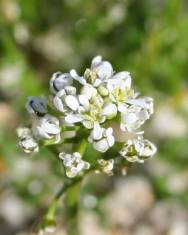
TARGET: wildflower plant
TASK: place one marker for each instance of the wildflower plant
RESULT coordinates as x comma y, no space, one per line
81,111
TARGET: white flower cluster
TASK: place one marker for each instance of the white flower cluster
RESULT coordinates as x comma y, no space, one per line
90,101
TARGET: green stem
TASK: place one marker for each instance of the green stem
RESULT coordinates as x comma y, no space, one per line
49,217
72,189
82,147
71,209
72,199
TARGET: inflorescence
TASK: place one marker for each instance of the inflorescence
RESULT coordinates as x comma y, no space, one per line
88,105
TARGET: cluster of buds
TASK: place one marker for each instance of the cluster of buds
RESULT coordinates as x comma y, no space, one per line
90,104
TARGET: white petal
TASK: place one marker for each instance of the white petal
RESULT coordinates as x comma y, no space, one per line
97,82
123,127
143,115
128,82
70,90
142,102
86,165
149,149
110,137
89,91
77,155
129,118
124,79
109,131
88,124
84,101
73,118
61,155
111,83
57,138
104,70
51,128
111,140
101,146
121,75
51,119
96,60
109,110
61,93
97,131
76,77
40,133
23,132
72,102
122,107
58,104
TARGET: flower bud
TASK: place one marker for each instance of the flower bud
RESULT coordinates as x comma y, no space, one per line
26,140
46,127
138,150
59,81
102,139
106,166
36,106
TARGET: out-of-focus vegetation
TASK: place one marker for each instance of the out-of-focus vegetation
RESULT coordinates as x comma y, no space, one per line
148,38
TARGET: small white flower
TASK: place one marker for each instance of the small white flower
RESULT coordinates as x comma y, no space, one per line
73,163
36,106
99,72
66,100
136,113
59,81
101,138
106,166
145,103
26,140
119,87
138,150
102,68
90,100
46,127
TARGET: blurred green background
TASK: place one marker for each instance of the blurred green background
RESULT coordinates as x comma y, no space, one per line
149,38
